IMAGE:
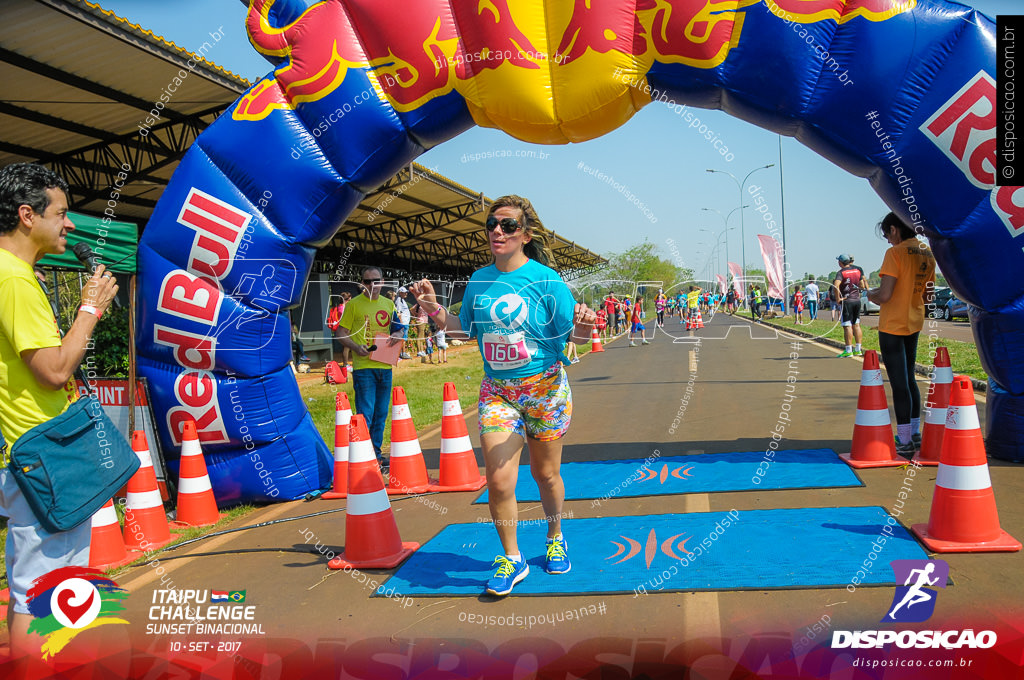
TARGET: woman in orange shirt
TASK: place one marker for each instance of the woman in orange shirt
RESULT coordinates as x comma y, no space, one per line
908,276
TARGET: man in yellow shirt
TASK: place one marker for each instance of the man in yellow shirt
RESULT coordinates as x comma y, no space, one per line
36,366
692,300
367,316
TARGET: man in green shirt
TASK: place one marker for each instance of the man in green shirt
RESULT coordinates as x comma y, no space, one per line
366,317
37,365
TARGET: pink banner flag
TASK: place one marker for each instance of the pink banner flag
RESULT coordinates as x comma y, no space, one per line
771,251
737,277
721,283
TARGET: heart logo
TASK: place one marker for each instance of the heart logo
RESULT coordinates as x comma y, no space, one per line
74,612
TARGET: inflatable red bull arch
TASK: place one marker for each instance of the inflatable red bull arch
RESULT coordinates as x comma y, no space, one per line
900,92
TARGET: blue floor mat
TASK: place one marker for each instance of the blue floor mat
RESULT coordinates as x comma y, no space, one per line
698,473
735,550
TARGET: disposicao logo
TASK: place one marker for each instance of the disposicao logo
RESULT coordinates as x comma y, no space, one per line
70,600
913,602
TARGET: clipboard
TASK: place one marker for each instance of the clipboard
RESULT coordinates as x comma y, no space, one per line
384,353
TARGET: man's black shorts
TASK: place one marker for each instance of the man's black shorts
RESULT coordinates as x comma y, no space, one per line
851,312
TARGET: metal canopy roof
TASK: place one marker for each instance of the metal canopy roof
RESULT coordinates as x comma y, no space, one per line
81,82
78,83
420,223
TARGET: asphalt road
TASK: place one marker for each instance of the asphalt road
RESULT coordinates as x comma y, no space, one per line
628,402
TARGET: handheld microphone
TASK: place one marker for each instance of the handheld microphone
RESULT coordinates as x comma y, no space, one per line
87,257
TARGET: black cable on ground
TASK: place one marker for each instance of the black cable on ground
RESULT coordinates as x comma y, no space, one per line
283,519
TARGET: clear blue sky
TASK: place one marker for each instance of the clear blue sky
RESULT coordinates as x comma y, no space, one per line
654,155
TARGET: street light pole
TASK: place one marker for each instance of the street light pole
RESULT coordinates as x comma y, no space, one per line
725,220
743,235
718,244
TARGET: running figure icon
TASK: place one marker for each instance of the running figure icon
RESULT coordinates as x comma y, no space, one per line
914,601
916,595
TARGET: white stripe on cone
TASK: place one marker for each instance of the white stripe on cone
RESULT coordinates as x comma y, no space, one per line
962,418
194,484
963,477
140,500
361,452
400,412
451,408
456,444
402,449
145,459
873,417
943,375
343,417
935,416
871,377
368,503
341,454
190,447
105,516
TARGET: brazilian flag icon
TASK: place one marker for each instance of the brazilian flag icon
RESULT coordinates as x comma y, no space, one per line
237,596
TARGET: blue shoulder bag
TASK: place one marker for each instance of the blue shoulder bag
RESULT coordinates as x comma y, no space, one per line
71,465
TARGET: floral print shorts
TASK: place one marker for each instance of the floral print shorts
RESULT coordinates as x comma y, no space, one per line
539,406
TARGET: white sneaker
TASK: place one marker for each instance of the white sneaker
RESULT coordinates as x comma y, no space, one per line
632,344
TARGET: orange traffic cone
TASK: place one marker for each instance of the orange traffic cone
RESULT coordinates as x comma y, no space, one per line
963,516
935,410
145,524
342,420
197,506
458,468
873,444
700,320
408,471
371,534
106,549
595,342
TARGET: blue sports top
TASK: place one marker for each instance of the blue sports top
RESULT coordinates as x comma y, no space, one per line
521,319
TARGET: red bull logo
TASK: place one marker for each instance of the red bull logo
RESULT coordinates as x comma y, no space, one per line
412,52
964,128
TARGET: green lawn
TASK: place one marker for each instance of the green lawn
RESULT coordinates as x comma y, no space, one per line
963,356
423,385
423,388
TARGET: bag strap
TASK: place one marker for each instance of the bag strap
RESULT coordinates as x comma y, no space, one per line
79,373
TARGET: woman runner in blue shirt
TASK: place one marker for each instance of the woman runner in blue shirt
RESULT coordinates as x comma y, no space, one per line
522,313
